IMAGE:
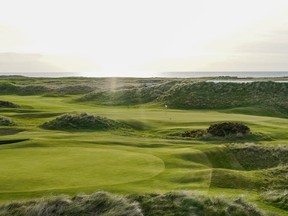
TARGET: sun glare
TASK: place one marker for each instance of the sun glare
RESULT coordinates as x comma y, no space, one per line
139,35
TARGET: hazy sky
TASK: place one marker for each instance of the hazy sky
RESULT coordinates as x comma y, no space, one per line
130,37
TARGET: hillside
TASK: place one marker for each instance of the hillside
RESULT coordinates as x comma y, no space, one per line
269,97
208,95
130,96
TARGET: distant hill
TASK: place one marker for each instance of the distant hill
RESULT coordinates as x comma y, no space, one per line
32,89
270,96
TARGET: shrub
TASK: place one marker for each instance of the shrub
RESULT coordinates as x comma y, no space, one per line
192,133
227,129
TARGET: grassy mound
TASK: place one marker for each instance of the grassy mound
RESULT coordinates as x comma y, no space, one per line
277,198
81,121
252,156
276,178
207,95
7,104
4,121
102,203
131,96
11,88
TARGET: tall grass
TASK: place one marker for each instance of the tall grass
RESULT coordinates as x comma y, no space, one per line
106,204
277,198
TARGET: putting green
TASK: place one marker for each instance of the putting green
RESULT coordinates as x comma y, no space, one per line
32,169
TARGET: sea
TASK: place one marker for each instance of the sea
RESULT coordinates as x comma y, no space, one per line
239,74
225,74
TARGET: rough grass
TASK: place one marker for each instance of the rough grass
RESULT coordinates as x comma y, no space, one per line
276,178
207,95
131,96
103,203
38,89
252,156
277,198
100,203
269,97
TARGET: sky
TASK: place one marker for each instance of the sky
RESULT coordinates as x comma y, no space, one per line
134,37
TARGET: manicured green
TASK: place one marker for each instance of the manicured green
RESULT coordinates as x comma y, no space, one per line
59,167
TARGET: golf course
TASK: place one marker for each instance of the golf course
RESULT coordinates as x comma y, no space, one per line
49,145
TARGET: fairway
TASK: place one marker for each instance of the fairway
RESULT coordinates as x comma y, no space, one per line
31,169
143,156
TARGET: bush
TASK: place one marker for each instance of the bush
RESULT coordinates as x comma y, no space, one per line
192,133
81,121
4,121
227,129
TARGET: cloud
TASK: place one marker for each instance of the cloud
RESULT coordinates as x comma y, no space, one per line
270,43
